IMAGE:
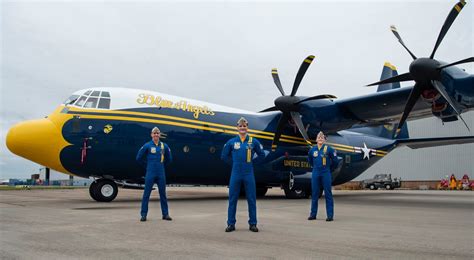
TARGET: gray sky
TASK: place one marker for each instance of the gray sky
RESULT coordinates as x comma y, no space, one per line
207,50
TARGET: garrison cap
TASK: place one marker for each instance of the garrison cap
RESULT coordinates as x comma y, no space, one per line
321,134
155,129
242,120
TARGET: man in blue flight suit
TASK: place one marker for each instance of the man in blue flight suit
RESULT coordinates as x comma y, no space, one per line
323,159
153,156
239,152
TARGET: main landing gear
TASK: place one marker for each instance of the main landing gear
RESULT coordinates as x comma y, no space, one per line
103,190
296,192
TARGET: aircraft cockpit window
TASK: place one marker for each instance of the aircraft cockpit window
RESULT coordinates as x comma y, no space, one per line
81,101
95,93
105,94
71,100
87,93
104,103
91,102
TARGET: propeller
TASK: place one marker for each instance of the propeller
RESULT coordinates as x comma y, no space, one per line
290,105
426,72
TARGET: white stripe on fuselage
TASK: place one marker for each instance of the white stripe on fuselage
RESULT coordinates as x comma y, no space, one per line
128,98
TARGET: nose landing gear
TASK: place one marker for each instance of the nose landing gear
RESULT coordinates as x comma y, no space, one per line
103,190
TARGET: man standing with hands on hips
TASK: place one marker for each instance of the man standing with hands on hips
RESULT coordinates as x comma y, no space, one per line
239,152
323,159
153,156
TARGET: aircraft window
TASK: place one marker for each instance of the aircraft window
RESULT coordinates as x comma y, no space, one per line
81,101
91,102
87,93
105,94
95,94
71,99
104,103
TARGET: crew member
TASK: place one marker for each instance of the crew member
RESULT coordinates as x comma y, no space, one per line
153,156
323,159
239,152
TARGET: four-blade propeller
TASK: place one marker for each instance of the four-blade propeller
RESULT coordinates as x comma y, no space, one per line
426,72
290,105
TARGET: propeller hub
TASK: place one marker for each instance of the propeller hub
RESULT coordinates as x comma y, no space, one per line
424,70
287,103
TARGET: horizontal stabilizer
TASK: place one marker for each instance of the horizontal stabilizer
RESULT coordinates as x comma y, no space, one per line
416,143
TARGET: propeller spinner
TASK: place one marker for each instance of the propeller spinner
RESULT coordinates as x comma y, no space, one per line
426,72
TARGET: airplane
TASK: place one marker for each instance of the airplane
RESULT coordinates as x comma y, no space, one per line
97,132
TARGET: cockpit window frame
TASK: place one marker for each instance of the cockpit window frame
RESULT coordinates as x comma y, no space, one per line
81,98
100,99
94,100
71,100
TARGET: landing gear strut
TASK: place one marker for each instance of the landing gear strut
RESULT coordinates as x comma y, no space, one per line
103,190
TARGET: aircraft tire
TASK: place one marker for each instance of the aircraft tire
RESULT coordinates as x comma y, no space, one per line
372,187
105,190
300,193
92,190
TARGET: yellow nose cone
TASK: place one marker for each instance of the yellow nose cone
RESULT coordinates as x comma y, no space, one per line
39,141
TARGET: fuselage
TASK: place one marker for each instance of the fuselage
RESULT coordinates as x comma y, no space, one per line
97,132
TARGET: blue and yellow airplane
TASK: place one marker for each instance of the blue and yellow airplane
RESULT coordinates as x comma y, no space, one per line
97,132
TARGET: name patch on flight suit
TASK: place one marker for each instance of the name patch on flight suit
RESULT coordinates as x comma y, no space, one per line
153,150
324,155
236,145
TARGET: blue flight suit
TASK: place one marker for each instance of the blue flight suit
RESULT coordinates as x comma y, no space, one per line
322,160
154,157
241,156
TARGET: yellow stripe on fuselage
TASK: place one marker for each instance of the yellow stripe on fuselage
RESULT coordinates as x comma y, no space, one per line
190,123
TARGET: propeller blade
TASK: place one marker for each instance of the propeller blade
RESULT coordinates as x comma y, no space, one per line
395,32
299,123
316,97
303,68
276,79
442,90
269,109
447,23
398,78
414,95
471,59
281,123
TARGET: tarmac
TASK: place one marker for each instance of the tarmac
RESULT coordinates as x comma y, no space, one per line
399,224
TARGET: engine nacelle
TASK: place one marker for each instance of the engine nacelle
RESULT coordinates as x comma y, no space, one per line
443,110
430,95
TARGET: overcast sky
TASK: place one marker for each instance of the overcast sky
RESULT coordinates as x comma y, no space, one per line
208,50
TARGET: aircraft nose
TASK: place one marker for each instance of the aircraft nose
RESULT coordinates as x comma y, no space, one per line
37,140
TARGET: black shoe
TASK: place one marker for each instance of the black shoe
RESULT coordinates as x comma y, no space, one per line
311,217
253,228
230,228
329,219
143,218
167,217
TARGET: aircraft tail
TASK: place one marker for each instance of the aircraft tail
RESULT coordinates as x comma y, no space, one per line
388,71
388,130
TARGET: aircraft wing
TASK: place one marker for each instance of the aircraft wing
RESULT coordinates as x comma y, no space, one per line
383,107
416,143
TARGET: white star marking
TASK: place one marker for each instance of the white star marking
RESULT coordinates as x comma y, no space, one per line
366,152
